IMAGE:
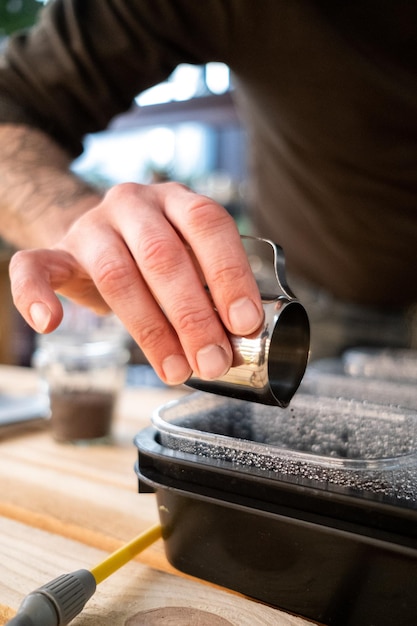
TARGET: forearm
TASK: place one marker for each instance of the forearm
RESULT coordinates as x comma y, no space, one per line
39,196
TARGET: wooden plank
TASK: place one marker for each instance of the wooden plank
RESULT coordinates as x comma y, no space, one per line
133,595
66,507
88,493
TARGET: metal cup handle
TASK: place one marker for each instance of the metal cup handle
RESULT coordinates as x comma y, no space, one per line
269,365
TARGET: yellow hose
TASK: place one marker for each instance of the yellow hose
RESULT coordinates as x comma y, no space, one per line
126,553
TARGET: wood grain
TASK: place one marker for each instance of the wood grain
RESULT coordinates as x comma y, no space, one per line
64,507
31,559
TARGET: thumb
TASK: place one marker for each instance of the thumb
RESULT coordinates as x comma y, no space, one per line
34,275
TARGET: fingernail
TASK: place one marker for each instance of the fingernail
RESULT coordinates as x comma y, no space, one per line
176,369
244,316
212,362
40,315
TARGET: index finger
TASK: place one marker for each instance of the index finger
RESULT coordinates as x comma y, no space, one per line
215,241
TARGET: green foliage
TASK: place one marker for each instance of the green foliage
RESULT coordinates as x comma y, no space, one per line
17,14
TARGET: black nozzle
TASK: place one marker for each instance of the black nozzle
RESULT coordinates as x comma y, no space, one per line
57,602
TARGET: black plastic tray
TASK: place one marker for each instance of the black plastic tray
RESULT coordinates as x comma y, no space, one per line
330,557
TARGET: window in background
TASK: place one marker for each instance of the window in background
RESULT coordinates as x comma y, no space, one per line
181,152
186,82
183,129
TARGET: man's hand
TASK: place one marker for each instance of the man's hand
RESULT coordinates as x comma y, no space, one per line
147,253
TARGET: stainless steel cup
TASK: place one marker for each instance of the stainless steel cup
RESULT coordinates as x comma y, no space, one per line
269,365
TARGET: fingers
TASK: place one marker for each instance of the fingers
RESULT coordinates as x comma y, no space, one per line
155,289
217,245
117,277
36,275
135,254
213,240
33,289
171,275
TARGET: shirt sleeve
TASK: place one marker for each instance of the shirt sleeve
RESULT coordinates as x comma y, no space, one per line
85,61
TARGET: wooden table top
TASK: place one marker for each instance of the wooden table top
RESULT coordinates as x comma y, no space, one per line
65,507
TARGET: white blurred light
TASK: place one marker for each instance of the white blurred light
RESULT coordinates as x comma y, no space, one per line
186,82
217,77
160,143
163,92
192,150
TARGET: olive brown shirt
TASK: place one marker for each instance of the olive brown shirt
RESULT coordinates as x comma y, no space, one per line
326,90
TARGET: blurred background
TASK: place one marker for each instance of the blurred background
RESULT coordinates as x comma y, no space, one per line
184,129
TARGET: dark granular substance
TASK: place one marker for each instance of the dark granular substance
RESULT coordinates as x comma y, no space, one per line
80,415
344,446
